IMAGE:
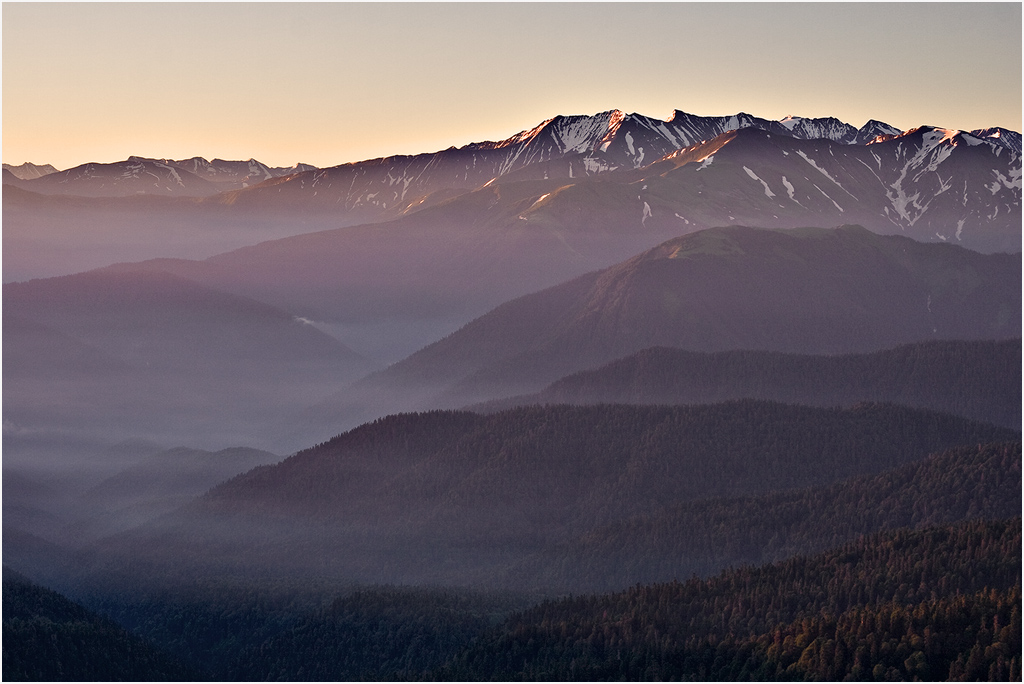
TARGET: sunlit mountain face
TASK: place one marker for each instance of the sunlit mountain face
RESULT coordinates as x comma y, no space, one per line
370,421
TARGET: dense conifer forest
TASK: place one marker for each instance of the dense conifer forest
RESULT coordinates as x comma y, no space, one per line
46,637
938,603
941,603
701,537
913,572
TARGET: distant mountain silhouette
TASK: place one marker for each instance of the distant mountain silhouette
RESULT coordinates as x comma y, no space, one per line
151,354
27,171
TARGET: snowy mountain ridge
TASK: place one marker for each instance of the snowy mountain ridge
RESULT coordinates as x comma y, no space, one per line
929,183
194,177
934,183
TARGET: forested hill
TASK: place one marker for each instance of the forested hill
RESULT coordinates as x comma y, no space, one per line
47,637
938,604
979,379
702,537
454,497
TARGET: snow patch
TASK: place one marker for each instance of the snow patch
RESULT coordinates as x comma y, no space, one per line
822,171
595,165
827,197
767,190
1010,183
790,190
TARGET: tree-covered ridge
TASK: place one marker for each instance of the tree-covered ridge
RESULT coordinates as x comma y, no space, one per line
933,604
978,379
605,460
258,629
47,637
982,481
456,498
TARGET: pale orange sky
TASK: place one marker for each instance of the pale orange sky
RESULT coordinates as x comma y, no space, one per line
328,83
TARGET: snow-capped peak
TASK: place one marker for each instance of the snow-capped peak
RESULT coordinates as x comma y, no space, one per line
789,122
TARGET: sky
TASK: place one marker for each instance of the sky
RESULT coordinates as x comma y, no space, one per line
329,83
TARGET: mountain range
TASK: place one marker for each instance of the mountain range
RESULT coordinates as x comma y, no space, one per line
680,175
608,351
195,177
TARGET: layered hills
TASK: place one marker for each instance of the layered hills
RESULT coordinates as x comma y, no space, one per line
188,349
460,498
798,291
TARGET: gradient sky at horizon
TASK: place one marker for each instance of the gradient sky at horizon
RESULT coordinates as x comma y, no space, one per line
329,83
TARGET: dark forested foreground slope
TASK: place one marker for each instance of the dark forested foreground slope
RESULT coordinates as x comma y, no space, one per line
808,291
454,497
934,604
974,379
375,633
946,593
941,603
47,637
